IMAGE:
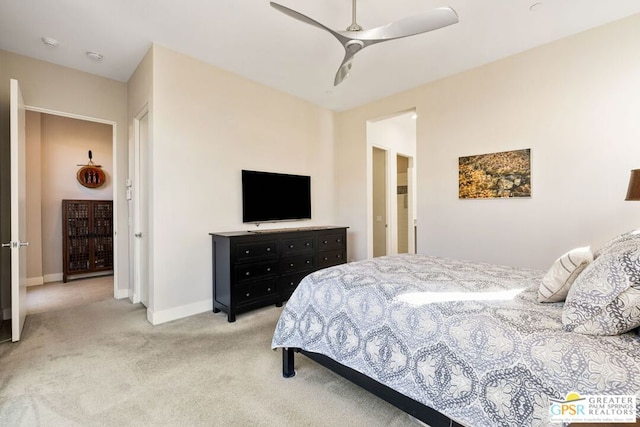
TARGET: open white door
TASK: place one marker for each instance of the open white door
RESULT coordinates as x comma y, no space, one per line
18,213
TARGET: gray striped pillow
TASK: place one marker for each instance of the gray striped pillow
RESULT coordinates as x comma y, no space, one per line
556,283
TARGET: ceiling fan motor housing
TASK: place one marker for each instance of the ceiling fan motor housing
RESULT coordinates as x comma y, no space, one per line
354,46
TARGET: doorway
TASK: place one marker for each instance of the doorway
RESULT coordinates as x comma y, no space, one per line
140,202
402,204
379,184
57,145
391,191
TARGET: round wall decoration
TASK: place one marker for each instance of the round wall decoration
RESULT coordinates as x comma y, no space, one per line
91,176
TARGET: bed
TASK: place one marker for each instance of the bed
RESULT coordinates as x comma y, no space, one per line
463,343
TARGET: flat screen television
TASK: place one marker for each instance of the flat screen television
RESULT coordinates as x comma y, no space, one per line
271,197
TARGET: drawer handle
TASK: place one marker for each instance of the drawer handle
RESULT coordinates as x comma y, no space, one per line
248,294
339,240
247,252
291,246
248,273
325,242
338,256
291,283
268,249
326,258
308,261
291,265
307,244
268,289
268,268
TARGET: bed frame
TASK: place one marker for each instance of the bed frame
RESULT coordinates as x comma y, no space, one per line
412,407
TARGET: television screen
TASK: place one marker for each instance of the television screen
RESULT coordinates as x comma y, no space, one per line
269,197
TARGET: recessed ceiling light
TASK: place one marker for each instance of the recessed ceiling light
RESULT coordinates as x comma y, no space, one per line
50,41
95,56
536,7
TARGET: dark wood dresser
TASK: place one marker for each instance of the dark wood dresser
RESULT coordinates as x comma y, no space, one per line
255,269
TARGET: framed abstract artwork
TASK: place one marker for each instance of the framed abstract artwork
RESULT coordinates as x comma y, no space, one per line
505,174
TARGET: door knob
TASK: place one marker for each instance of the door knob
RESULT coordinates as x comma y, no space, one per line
13,244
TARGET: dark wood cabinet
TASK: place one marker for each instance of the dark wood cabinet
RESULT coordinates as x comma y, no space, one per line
87,237
255,269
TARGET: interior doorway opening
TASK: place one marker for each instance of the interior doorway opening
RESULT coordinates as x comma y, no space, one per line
402,204
391,185
57,145
141,292
379,188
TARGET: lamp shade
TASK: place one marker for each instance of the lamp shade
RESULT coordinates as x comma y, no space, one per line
633,192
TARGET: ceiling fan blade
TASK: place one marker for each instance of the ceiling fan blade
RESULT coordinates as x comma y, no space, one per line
350,49
412,25
343,70
303,18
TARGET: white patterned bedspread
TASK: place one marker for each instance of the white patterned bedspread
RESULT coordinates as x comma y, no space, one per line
467,339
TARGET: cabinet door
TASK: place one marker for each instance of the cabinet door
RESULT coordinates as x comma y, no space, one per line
102,236
77,236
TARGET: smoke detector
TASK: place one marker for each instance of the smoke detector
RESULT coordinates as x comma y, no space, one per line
51,42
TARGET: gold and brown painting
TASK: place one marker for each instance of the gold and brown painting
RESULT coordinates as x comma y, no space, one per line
496,175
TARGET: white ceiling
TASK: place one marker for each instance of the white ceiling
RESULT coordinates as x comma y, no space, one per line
250,38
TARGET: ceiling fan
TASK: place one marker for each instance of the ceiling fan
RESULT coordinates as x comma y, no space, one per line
354,39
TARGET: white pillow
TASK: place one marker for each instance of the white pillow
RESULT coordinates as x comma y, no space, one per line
556,283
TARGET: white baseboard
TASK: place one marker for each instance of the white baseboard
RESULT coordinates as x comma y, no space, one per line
35,281
121,293
158,317
56,277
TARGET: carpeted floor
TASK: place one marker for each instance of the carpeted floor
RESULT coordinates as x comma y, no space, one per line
103,364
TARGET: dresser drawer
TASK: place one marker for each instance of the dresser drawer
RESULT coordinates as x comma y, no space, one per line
297,263
258,290
290,282
330,241
298,245
255,271
329,258
253,250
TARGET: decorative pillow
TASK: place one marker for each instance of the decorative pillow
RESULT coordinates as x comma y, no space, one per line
620,238
605,297
556,283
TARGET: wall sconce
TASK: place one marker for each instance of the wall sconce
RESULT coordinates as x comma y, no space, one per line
633,192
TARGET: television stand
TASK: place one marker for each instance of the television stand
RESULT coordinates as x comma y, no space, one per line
255,269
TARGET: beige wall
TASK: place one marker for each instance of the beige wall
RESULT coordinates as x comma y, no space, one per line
575,103
50,87
33,147
208,125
